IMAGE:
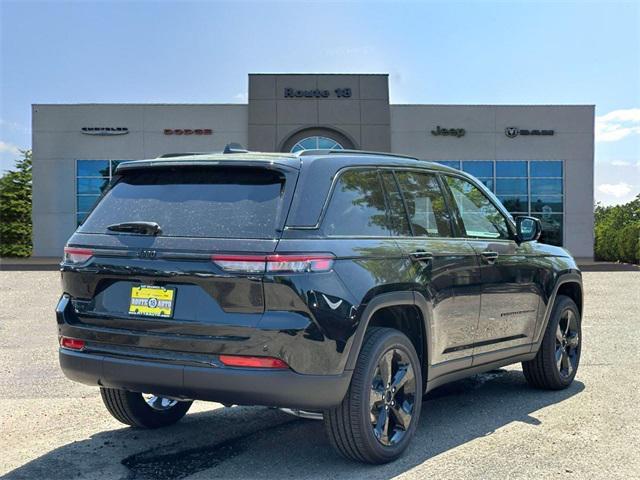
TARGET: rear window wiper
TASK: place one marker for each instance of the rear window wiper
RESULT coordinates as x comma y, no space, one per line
145,228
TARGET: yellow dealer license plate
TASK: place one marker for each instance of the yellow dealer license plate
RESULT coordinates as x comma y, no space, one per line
152,301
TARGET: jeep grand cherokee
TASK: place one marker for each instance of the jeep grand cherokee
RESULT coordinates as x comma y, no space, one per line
342,283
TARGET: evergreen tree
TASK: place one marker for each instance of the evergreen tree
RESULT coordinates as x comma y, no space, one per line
15,209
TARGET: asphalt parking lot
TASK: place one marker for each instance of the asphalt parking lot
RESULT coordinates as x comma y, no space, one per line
488,426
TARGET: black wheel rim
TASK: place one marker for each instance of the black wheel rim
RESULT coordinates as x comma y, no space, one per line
567,344
392,397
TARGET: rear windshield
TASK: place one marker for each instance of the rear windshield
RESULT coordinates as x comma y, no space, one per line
228,202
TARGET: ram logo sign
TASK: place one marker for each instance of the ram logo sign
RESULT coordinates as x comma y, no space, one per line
513,132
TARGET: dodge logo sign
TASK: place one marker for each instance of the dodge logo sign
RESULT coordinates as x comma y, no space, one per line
105,131
188,131
513,132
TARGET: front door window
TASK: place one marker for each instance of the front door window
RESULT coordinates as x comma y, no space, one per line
480,217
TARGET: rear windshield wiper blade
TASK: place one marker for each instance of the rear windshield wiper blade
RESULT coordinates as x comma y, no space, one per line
145,228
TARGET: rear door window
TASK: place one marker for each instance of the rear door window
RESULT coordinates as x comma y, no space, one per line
222,202
397,213
357,206
426,207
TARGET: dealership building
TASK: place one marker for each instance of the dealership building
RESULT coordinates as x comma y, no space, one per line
538,159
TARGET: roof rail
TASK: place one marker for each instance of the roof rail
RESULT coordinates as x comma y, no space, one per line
180,154
304,153
234,148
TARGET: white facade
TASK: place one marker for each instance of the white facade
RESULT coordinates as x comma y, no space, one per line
59,144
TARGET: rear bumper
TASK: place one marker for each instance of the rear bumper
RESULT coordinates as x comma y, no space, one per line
239,386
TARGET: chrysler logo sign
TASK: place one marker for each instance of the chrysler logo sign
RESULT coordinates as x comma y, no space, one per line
105,131
513,132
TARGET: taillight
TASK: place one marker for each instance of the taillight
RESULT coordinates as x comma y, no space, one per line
252,362
71,343
297,263
77,255
240,263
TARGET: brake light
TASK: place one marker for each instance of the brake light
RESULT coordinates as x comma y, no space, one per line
77,255
252,362
71,343
298,263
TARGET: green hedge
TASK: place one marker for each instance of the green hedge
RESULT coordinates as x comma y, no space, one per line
617,232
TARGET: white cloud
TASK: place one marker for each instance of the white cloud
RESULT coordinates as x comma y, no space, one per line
620,163
9,148
241,97
617,190
618,124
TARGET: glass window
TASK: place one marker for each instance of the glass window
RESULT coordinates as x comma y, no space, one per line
480,217
452,164
315,143
397,213
488,182
546,169
478,168
195,202
80,216
93,186
546,204
511,169
357,206
427,210
511,186
93,168
86,202
546,186
551,228
515,204
114,165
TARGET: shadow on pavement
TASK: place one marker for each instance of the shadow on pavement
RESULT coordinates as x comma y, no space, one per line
256,442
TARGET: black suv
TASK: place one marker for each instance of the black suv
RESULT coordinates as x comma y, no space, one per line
337,283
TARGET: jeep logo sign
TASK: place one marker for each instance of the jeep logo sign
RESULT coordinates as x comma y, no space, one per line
451,132
513,132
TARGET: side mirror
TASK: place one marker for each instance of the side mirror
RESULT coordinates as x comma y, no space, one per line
529,228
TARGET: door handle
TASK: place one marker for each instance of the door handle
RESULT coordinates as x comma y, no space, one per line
421,256
490,257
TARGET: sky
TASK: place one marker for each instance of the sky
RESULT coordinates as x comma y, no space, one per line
451,53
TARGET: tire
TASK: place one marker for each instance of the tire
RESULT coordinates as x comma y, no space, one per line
350,425
555,365
131,408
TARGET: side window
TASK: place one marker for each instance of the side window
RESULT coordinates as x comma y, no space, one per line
425,203
357,206
397,213
480,217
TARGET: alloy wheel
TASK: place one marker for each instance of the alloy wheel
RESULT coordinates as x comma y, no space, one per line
567,343
392,397
159,403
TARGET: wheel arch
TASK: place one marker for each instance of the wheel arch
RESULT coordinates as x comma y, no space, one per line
569,284
386,302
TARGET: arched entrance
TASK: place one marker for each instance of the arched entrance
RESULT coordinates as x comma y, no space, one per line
317,138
